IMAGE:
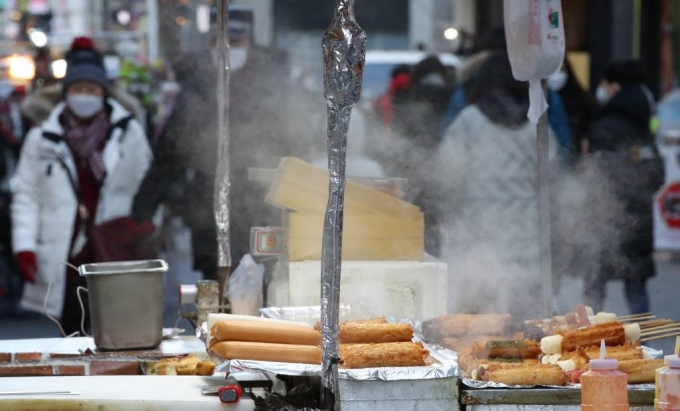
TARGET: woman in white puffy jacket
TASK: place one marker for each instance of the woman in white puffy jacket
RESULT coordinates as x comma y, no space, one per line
488,169
81,168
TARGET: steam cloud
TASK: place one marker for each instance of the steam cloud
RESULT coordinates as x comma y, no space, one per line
490,270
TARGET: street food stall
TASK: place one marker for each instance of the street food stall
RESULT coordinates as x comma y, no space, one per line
378,338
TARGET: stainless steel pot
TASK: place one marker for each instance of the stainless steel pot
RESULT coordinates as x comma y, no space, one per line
126,303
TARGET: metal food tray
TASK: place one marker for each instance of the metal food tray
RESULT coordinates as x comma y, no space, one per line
443,364
656,354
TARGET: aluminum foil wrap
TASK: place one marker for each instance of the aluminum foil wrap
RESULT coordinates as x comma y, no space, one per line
344,55
222,177
312,315
441,366
649,353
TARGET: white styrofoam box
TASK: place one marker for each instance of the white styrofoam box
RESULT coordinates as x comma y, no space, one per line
417,395
400,289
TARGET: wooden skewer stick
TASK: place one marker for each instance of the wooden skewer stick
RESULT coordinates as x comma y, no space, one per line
659,337
660,331
655,320
655,323
627,317
656,327
635,320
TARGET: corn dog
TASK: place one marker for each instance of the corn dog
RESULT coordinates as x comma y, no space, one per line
520,349
625,352
523,374
378,320
640,371
613,334
358,333
405,354
460,344
265,333
233,350
468,324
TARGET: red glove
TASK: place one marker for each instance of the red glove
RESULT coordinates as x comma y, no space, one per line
28,265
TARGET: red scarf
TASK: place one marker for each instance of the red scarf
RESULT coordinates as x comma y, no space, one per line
87,139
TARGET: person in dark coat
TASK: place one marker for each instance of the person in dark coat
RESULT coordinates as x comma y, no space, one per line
579,105
417,112
467,77
262,130
627,157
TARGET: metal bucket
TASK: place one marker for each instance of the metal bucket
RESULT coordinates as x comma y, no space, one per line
126,303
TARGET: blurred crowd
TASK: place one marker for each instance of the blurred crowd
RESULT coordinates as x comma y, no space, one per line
474,174
85,177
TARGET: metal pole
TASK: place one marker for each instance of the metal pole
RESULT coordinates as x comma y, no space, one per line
344,55
222,177
543,189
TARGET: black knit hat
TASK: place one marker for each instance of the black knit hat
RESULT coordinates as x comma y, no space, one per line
84,63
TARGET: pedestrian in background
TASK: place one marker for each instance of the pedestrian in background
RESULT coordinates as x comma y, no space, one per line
579,106
625,153
494,41
487,179
77,175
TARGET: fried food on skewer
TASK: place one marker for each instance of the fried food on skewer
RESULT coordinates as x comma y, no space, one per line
406,354
519,349
640,371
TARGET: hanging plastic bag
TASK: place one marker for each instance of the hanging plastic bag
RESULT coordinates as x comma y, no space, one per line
245,287
534,30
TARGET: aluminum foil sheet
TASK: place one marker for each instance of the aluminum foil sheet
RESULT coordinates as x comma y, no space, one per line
312,315
442,366
344,55
649,352
222,177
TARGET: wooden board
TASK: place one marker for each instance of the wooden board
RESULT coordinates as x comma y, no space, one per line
366,236
304,249
360,225
301,186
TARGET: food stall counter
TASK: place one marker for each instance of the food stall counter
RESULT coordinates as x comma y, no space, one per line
115,393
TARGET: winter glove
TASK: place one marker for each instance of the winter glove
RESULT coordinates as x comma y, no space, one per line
28,265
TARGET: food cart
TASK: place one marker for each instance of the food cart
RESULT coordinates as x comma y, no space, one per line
75,377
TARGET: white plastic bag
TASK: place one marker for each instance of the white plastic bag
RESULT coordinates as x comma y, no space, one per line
245,287
534,30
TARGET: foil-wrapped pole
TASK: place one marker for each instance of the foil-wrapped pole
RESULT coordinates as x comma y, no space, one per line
222,178
344,54
543,182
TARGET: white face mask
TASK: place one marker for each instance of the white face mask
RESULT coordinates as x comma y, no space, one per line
557,80
602,96
84,106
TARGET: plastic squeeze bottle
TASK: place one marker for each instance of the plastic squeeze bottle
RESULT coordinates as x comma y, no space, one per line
604,387
668,386
656,386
